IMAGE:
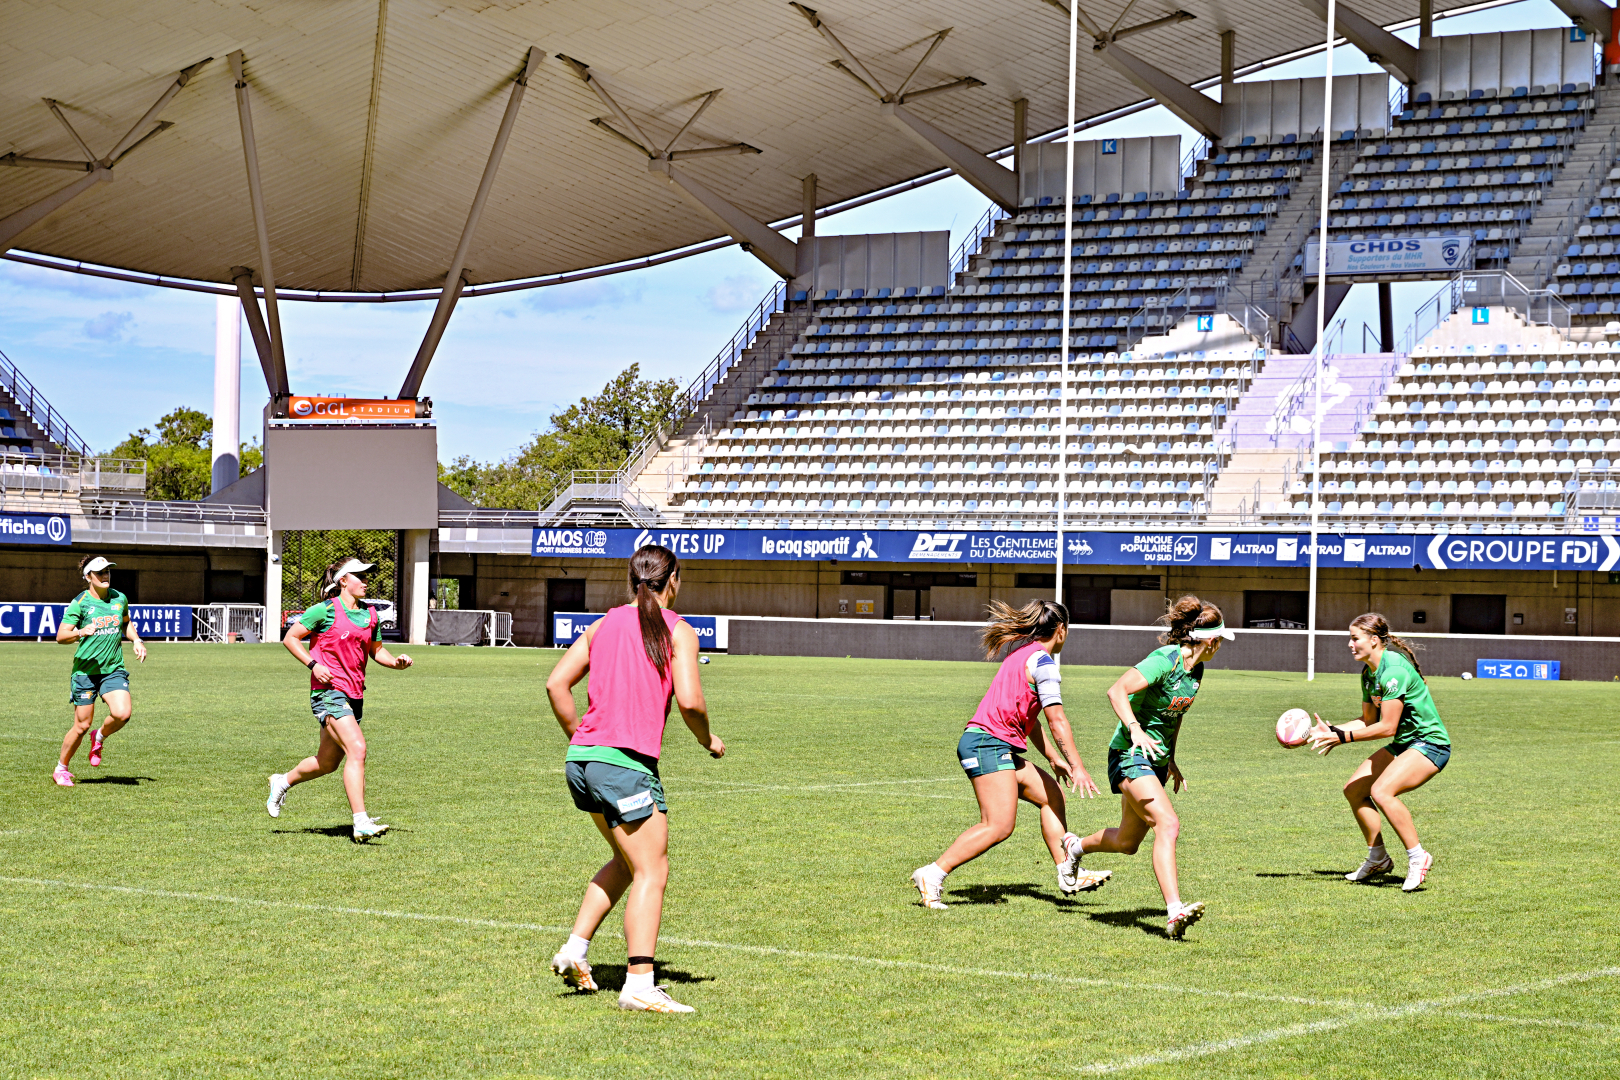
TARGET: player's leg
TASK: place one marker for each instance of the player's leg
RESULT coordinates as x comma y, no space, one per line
83,717
1123,839
1408,772
997,793
327,757
1151,804
1358,792
1040,789
346,729
119,708
644,844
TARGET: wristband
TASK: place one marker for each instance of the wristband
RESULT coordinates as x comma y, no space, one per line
312,663
1344,736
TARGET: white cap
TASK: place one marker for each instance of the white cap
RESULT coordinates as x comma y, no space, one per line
353,566
97,565
1207,633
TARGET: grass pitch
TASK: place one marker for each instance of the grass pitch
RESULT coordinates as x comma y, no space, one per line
158,923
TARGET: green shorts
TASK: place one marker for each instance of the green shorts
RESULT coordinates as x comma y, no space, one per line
334,702
1132,764
84,688
1435,752
619,794
981,753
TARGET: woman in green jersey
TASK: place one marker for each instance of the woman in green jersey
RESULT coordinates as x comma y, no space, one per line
97,621
1394,701
1150,700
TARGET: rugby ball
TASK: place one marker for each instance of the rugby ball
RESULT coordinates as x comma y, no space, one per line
1293,727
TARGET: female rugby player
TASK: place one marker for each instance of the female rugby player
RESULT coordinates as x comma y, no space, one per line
98,622
991,749
1151,700
1394,701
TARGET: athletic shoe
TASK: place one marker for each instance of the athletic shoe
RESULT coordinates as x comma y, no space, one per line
278,794
654,1000
1371,868
1181,917
576,973
930,892
1416,870
1068,871
95,749
365,830
62,777
1091,880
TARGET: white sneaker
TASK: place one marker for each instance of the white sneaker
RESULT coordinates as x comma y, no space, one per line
1416,870
930,891
1181,917
365,830
654,1000
1371,868
278,794
576,973
1068,871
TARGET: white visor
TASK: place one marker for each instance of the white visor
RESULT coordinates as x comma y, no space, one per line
97,565
353,566
1209,633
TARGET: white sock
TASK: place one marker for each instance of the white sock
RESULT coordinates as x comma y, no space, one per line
933,874
361,818
279,780
634,983
1376,853
1415,852
1070,841
96,734
575,949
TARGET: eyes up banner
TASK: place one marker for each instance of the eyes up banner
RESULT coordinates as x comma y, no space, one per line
1094,548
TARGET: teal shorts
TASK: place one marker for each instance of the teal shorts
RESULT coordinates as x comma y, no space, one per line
334,702
1132,764
619,794
84,688
1435,752
981,753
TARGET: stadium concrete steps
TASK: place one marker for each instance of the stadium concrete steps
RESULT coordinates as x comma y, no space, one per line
1564,202
1249,477
1506,327
1185,337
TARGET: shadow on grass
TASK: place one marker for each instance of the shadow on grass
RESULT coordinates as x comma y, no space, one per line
345,831
611,977
1382,882
1148,920
999,894
126,781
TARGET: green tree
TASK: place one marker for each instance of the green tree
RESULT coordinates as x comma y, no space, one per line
595,433
179,461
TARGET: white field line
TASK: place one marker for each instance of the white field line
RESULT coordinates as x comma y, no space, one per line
30,738
1362,1015
696,943
1531,1021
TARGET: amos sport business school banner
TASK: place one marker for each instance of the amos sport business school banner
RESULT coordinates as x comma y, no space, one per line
1095,548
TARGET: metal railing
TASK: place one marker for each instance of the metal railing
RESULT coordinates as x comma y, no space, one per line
489,518
228,622
1485,288
970,243
40,411
112,511
1596,175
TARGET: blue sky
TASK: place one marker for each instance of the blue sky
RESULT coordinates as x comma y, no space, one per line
114,357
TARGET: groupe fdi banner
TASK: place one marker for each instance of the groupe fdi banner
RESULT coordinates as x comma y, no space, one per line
1095,548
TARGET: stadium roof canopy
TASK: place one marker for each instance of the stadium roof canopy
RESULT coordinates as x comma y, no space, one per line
374,120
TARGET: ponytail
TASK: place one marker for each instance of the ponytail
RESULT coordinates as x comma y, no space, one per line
1013,627
1376,625
1186,615
651,567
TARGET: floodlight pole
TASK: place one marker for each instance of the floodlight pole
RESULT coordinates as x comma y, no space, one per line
1068,272
1319,353
453,278
227,393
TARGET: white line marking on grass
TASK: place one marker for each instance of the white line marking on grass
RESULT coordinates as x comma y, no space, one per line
695,943
30,738
1364,1014
1533,1021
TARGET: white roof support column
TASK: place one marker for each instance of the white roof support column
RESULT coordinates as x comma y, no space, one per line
1197,109
275,382
261,227
1382,47
96,170
805,266
757,238
453,279
1593,16
989,177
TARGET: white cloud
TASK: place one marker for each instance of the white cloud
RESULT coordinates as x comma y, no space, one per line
738,293
108,326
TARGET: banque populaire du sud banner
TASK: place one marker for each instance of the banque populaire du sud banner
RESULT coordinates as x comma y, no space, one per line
1431,551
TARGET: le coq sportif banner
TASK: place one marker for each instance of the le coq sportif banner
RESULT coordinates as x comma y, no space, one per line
1382,551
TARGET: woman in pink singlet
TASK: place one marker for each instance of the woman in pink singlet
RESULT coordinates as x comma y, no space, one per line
342,634
991,750
638,656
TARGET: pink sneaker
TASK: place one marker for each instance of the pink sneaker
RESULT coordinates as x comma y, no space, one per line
62,777
95,749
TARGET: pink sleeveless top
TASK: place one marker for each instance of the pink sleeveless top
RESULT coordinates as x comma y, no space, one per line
627,700
343,649
1011,708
